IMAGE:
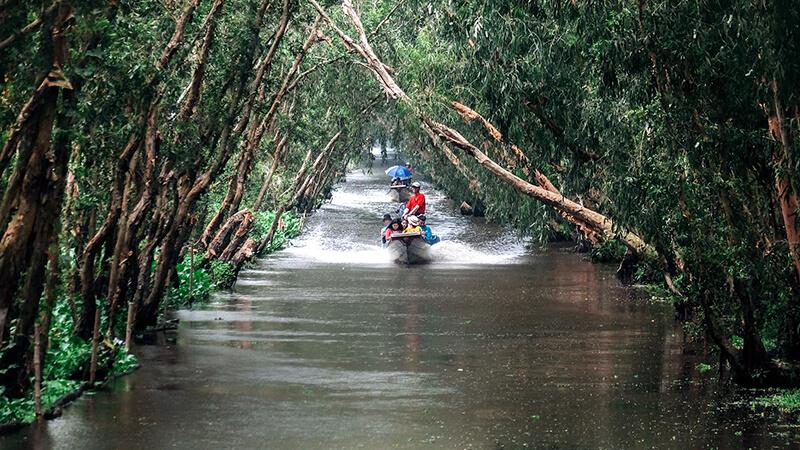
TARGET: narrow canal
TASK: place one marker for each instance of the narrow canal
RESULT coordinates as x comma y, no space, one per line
328,345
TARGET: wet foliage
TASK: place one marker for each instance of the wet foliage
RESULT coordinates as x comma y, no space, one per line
159,122
677,120
137,132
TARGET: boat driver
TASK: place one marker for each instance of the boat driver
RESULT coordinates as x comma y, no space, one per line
416,204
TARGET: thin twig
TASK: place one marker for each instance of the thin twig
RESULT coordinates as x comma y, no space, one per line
31,26
386,19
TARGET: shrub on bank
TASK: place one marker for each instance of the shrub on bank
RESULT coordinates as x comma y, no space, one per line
196,282
66,363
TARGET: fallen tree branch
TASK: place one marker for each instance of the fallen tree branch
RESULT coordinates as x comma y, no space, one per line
469,115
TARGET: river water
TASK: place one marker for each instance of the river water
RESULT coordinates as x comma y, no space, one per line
327,344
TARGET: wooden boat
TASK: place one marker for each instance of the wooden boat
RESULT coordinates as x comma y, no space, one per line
399,194
409,248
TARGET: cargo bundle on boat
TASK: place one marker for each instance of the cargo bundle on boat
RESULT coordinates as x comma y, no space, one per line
409,248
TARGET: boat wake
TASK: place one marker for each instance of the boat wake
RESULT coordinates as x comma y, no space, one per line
449,253
458,253
346,230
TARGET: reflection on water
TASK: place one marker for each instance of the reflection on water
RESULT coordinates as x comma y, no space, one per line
327,345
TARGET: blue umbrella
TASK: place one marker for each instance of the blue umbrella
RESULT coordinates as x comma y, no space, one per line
401,172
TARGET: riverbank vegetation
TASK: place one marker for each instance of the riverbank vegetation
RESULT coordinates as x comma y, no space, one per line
152,145
150,149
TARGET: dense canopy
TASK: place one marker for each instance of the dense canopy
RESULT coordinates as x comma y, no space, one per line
151,148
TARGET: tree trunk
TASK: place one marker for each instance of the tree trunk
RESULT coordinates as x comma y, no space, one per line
787,200
93,248
128,229
37,203
238,238
53,275
276,159
244,254
264,243
227,233
200,69
177,35
262,246
604,226
263,68
177,226
233,197
592,234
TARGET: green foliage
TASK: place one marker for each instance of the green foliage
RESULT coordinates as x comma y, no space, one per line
263,222
654,114
24,409
703,367
112,67
785,401
124,362
16,410
66,363
192,285
608,251
67,358
222,274
219,274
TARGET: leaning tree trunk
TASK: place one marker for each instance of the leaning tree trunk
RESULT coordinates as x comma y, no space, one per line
233,197
29,231
178,226
591,233
602,224
107,232
276,159
264,244
125,251
787,200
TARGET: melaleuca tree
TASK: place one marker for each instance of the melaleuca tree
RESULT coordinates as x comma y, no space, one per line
677,120
159,102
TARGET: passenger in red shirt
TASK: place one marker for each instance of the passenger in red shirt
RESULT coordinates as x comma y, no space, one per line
416,204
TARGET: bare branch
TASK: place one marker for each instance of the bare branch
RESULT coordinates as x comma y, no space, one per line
385,19
305,73
30,27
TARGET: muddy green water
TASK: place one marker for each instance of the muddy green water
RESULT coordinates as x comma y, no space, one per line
493,346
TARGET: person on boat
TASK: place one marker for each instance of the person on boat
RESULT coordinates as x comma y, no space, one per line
396,181
427,233
403,223
413,225
416,204
387,222
394,227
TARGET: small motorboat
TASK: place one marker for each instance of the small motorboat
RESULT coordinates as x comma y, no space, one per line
409,248
399,193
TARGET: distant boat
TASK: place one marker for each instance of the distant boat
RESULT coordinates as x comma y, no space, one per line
409,248
401,172
399,193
